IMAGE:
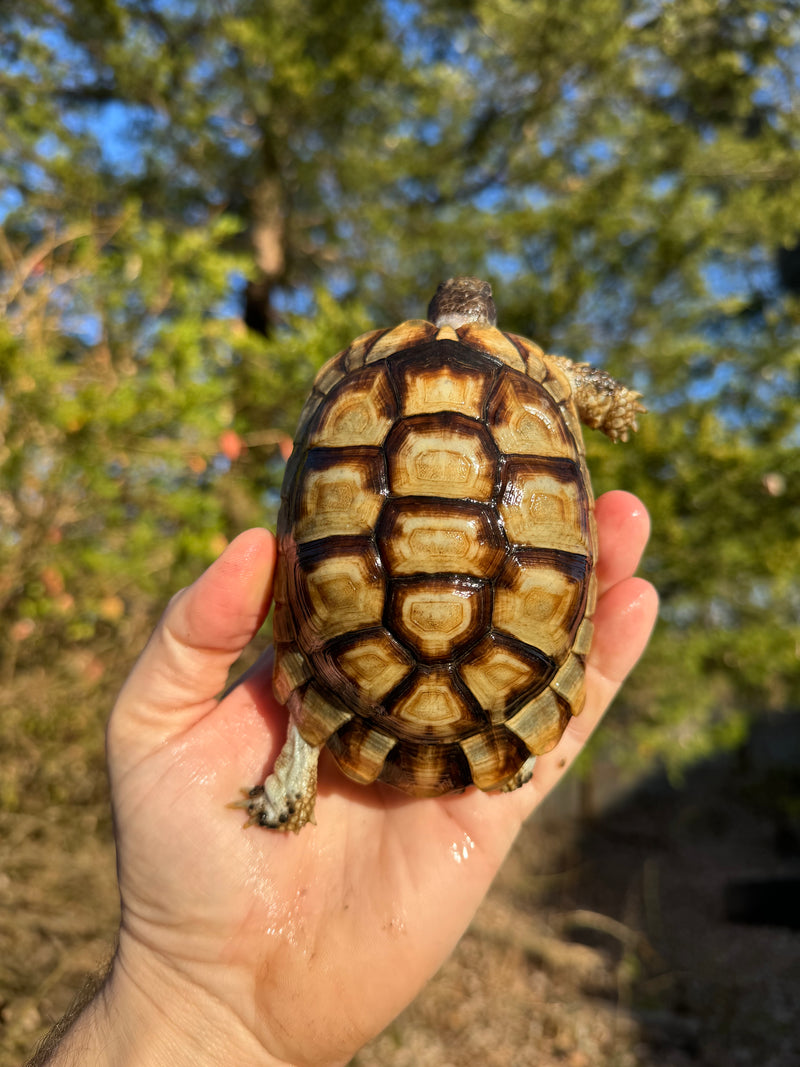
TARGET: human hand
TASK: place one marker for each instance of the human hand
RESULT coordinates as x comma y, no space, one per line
251,946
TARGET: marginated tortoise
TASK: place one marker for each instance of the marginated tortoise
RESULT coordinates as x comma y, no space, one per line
435,582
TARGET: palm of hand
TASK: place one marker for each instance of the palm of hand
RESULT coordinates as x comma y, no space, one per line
316,941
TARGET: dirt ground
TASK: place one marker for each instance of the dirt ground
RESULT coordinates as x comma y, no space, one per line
602,943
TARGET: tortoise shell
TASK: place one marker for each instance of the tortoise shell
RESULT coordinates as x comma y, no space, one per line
435,584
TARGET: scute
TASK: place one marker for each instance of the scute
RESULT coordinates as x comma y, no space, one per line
500,671
361,750
448,457
437,617
494,343
318,713
366,666
336,590
336,498
526,421
424,769
540,722
431,707
423,536
540,599
434,379
543,504
494,755
436,576
359,411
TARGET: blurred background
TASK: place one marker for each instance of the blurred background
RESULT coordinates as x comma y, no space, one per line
203,200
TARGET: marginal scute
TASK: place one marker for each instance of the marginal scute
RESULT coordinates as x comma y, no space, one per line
282,624
532,355
289,673
492,341
425,769
361,750
293,466
591,594
356,354
557,384
308,412
317,714
540,723
583,638
406,335
592,525
283,630
494,755
331,373
574,426
569,683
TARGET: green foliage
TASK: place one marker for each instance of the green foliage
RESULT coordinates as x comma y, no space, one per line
625,175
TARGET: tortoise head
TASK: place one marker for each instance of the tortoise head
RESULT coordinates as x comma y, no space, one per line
461,300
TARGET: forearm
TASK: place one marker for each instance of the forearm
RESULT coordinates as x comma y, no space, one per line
55,1039
115,1022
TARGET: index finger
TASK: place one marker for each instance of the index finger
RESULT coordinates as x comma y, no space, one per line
623,527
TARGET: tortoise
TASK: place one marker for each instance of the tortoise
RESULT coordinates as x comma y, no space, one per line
436,580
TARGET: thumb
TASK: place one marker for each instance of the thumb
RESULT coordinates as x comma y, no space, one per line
185,664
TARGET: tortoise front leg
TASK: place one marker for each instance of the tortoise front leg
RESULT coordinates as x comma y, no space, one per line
603,403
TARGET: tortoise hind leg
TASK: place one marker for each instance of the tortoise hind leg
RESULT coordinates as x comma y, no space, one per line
523,775
286,799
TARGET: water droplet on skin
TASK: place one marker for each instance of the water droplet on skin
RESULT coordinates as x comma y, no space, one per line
395,926
460,850
284,920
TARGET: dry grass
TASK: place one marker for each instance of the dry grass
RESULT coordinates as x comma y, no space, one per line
58,915
604,947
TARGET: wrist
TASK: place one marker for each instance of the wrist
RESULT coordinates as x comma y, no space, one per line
149,1015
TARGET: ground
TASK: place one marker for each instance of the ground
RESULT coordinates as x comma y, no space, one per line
603,943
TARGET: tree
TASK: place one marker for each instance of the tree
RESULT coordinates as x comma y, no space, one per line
204,201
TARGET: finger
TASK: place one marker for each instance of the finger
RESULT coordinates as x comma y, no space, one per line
202,632
623,527
624,620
